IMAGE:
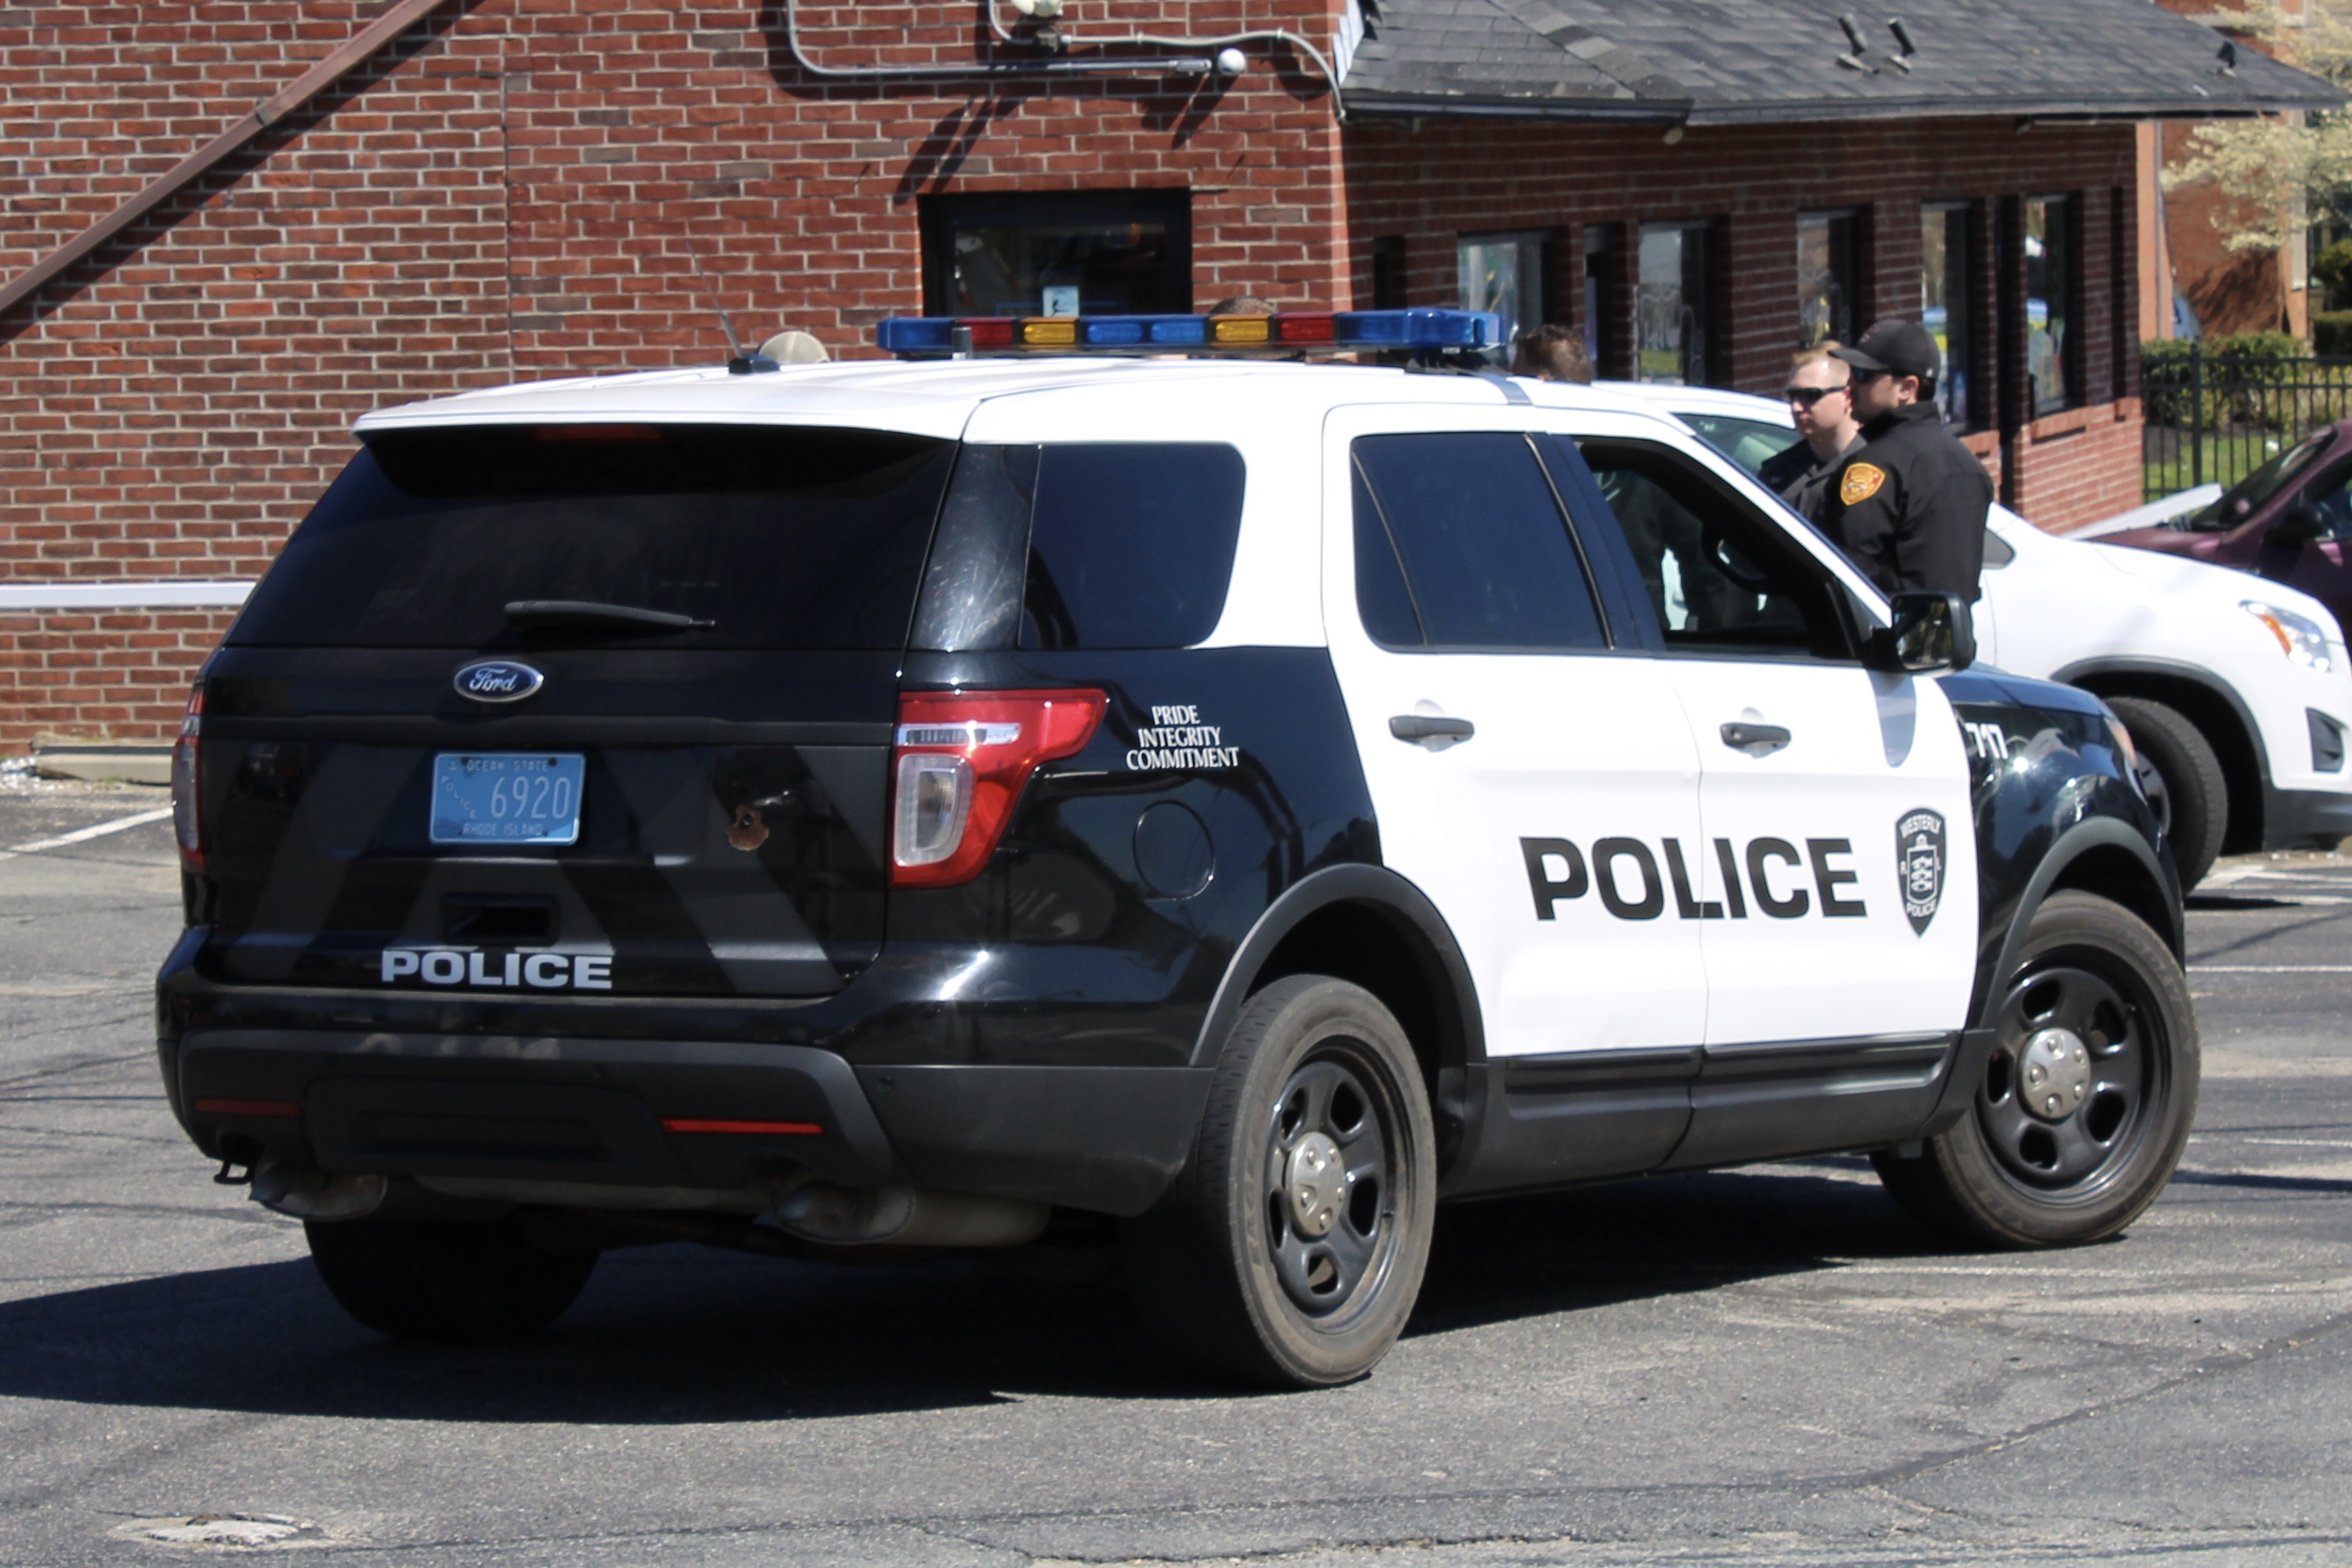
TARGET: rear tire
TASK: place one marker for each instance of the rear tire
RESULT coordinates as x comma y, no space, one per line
2058,1148
463,1284
2182,779
1289,1251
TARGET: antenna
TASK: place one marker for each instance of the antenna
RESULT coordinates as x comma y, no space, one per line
739,363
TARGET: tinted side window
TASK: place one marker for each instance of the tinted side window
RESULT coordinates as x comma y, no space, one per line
1131,546
1487,560
2332,494
1721,576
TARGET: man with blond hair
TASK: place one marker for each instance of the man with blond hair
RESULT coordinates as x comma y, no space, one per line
1820,400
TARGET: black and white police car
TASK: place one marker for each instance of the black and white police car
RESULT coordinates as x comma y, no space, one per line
1241,804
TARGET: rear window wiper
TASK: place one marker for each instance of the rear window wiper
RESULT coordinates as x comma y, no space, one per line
585,614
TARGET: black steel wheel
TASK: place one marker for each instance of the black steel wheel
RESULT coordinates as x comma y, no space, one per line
2084,1106
476,1283
1290,1249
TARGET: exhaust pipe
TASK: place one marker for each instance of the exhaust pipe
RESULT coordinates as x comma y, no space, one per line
316,1195
906,1217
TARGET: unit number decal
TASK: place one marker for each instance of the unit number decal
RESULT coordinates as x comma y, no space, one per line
1177,738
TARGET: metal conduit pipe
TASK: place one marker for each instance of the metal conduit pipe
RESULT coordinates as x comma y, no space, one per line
1170,65
1264,35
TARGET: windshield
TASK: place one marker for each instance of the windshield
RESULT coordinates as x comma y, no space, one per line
766,537
1750,443
2241,500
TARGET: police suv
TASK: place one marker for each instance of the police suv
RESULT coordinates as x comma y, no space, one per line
1240,804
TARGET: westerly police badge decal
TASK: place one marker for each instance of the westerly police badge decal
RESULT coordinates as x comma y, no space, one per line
1919,862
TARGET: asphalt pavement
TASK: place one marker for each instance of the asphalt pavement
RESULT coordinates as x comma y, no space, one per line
1762,1367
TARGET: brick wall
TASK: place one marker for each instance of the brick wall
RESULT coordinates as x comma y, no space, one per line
1431,181
110,673
520,188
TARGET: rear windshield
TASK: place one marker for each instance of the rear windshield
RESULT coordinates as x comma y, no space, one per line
779,539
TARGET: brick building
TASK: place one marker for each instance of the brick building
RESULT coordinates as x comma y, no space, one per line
198,296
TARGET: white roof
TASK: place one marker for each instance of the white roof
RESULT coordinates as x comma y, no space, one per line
939,397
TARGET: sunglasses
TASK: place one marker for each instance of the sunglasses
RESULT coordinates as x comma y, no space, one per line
1806,397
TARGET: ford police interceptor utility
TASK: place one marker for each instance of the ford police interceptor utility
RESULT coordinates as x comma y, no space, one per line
921,804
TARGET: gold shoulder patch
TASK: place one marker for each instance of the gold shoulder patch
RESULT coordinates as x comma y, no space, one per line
1860,481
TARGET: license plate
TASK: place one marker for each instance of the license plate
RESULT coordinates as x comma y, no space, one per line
506,797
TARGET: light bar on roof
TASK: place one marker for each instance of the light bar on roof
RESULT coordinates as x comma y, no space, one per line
1421,332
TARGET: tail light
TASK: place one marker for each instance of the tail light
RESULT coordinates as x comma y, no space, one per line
187,819
961,760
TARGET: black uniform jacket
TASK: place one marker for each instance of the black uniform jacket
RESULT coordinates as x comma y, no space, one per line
1909,508
1803,479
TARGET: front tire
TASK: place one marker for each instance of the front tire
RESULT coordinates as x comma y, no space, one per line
2086,1103
1289,1251
460,1284
2183,781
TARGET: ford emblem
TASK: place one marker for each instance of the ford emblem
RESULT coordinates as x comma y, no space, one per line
497,680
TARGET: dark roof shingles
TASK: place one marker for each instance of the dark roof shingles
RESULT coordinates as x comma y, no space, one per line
1736,60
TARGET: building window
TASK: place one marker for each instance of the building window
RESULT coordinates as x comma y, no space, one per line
1092,253
1947,297
1504,274
2123,303
1388,272
1672,317
1829,276
1601,329
2049,345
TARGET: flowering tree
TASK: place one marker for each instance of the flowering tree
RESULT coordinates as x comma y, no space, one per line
2280,167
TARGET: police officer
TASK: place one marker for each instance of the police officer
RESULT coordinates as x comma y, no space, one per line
1820,402
1909,508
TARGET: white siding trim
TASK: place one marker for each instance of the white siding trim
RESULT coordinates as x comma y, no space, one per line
155,593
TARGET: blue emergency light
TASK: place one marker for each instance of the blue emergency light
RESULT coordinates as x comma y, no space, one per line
1423,333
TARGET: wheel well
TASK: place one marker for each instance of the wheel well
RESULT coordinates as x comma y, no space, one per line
1381,951
2117,876
2224,730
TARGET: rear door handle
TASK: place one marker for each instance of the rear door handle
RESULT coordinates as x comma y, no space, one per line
1418,726
1740,737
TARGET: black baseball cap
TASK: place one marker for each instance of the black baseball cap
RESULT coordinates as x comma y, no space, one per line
1903,347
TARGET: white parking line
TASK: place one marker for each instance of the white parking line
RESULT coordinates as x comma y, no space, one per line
2271,898
83,835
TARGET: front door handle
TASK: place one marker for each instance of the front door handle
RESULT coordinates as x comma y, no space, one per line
1740,737
1422,726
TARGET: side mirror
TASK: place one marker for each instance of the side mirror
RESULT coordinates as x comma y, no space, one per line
2297,527
1932,634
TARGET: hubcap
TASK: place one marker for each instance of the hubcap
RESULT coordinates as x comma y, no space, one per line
2056,1074
2074,1079
1329,1210
1318,1184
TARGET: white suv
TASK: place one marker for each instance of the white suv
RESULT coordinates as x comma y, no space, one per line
2237,691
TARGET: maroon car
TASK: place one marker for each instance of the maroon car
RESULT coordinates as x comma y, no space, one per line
2288,520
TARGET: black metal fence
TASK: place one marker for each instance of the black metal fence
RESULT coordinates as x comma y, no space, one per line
2216,417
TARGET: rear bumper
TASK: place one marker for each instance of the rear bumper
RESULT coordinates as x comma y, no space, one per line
622,1112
